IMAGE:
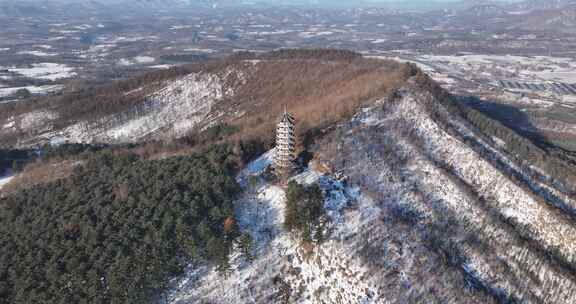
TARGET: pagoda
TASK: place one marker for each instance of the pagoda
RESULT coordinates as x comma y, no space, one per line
285,144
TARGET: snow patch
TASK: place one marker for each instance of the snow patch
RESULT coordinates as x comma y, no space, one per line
33,89
49,71
144,59
161,66
4,180
199,50
37,53
257,167
124,62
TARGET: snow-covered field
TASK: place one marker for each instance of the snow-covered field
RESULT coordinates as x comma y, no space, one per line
180,27
161,66
312,34
49,71
199,50
124,62
517,68
33,89
97,52
135,60
144,59
37,53
533,69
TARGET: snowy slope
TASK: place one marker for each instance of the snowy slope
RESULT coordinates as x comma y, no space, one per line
173,110
428,213
260,212
488,221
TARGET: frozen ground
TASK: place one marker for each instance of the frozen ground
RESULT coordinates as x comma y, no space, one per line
37,53
199,50
135,60
411,174
48,71
33,89
260,213
5,179
169,108
431,162
144,59
174,109
531,69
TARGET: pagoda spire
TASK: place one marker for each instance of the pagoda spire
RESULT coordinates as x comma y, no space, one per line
285,144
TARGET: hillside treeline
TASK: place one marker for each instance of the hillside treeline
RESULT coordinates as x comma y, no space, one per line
116,230
12,159
304,213
318,93
318,85
94,101
558,163
300,54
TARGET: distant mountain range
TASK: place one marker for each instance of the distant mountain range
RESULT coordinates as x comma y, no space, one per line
528,15
544,4
13,8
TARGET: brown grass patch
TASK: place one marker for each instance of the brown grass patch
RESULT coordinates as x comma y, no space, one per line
41,172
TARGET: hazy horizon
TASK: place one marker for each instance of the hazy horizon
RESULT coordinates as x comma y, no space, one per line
411,5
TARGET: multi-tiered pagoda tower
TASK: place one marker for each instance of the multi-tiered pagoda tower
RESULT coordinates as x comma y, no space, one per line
285,144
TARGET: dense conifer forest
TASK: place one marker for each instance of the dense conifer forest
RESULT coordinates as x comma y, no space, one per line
305,214
117,229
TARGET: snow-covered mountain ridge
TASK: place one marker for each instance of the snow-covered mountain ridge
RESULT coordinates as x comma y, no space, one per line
171,104
427,201
178,106
426,163
428,211
172,110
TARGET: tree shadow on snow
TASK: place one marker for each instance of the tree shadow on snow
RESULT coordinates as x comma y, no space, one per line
509,116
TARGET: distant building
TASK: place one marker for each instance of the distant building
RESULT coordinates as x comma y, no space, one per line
285,144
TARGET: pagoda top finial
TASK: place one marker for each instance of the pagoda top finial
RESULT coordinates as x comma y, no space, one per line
286,117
